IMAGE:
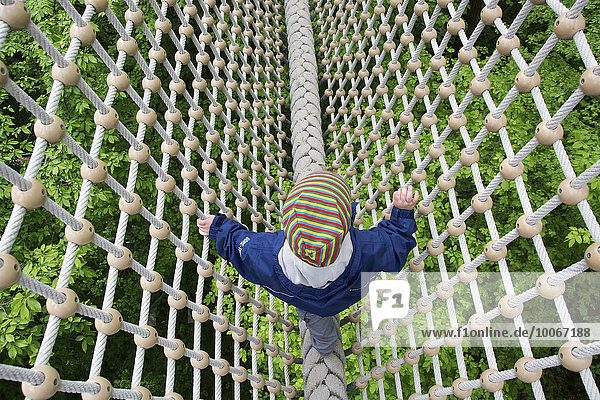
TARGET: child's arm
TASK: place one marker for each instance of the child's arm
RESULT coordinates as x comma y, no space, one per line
386,246
238,245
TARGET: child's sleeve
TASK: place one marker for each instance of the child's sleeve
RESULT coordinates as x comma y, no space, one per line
386,246
241,247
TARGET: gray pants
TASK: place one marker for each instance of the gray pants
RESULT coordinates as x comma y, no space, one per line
323,333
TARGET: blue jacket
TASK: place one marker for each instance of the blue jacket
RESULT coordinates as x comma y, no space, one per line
254,255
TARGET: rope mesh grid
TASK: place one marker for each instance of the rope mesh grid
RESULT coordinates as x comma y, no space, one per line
340,67
231,57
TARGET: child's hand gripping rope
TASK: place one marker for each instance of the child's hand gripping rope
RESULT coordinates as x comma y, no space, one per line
204,224
404,198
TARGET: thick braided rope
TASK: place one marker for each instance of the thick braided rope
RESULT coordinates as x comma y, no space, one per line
324,377
307,142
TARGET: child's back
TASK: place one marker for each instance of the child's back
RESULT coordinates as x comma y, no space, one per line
315,263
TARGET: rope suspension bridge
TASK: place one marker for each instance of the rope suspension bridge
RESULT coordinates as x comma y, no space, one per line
232,94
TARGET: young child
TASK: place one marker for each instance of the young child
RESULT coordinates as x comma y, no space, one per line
315,263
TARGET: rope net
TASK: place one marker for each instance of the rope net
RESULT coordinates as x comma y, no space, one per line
224,91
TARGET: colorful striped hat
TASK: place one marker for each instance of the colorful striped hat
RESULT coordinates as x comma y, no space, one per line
316,217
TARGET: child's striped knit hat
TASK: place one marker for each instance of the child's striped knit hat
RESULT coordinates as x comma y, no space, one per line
316,217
